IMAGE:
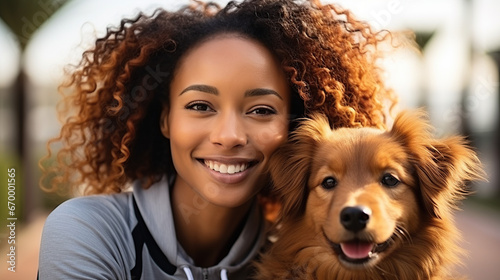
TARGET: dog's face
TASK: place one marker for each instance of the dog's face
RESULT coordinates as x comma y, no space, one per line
362,192
366,191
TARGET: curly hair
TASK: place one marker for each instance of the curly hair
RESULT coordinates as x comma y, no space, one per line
114,97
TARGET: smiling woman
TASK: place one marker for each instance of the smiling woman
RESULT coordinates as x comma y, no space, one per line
220,102
227,101
188,107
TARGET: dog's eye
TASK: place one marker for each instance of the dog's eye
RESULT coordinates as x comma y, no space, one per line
389,180
329,183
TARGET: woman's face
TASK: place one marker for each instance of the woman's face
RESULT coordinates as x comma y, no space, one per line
229,105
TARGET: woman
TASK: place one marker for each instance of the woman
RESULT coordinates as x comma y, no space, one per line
188,107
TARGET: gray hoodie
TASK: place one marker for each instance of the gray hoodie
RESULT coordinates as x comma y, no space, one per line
98,237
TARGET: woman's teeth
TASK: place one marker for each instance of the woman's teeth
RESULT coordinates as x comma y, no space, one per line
226,168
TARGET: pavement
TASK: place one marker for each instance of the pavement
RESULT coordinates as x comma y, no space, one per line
481,232
480,228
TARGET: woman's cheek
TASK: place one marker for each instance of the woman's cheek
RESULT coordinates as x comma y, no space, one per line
270,137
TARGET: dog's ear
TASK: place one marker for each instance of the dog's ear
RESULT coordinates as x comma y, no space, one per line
290,165
443,166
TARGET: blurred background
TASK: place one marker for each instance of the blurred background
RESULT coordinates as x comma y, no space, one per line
455,77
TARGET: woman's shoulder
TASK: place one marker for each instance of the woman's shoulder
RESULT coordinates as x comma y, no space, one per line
93,208
91,232
105,216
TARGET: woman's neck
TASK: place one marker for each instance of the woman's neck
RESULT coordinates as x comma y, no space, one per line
205,231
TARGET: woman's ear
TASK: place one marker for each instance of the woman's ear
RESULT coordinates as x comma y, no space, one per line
164,122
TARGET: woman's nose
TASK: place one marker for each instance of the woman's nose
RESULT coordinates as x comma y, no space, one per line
228,131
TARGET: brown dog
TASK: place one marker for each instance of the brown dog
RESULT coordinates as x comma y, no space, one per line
361,203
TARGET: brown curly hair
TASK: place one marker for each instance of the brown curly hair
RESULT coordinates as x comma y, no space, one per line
114,97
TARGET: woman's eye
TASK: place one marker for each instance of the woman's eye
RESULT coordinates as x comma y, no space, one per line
263,111
389,180
199,106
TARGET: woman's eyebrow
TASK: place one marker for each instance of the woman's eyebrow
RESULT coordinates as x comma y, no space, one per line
202,88
261,91
248,93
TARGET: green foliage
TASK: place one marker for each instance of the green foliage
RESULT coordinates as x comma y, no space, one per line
24,17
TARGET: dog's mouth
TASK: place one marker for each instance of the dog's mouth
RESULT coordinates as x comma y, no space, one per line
358,253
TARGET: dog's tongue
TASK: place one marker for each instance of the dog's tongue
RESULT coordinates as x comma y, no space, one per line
356,249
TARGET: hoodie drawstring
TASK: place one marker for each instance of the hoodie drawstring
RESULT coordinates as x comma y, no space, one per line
188,272
223,274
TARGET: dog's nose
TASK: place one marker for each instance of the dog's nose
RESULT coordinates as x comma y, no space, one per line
355,218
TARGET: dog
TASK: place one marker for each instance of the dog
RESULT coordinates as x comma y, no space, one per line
364,203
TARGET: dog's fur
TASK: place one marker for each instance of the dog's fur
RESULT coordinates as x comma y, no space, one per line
407,182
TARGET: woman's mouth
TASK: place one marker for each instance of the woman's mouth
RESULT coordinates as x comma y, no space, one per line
226,168
228,172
